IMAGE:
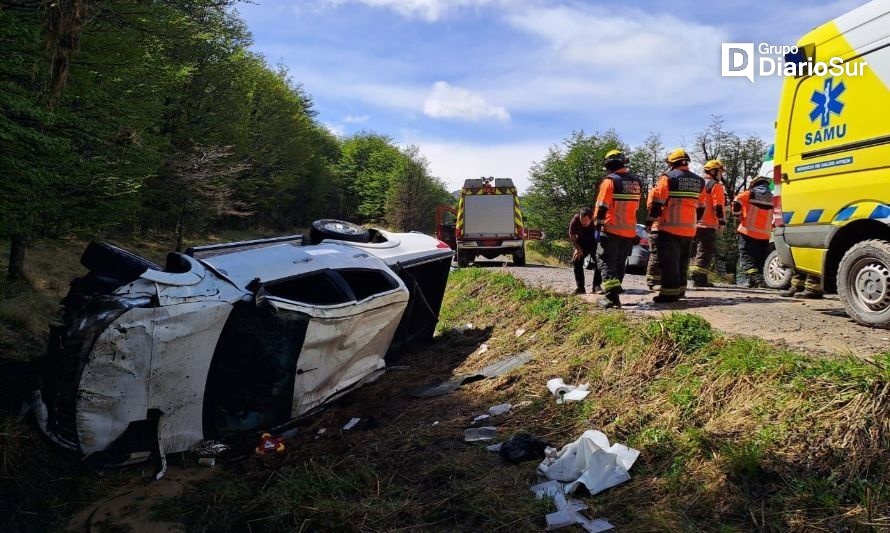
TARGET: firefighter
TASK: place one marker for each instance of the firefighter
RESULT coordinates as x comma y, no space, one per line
583,239
616,220
804,285
677,205
755,206
712,222
653,271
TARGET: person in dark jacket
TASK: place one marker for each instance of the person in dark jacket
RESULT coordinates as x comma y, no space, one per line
582,234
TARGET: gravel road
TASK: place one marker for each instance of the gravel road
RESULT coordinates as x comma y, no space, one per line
811,325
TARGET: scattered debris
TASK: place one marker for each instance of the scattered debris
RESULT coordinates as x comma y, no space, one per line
520,332
567,393
465,327
436,423
351,424
207,461
523,447
491,371
494,447
568,512
210,448
320,433
481,418
500,409
590,461
269,444
483,433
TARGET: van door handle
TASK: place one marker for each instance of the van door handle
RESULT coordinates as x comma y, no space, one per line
785,177
301,371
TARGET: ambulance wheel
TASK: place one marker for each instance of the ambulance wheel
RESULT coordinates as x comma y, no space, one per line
863,283
776,275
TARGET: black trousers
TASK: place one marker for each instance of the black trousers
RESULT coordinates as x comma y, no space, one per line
704,249
673,258
752,255
587,249
611,258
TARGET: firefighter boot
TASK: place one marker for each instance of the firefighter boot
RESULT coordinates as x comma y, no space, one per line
808,294
610,301
791,291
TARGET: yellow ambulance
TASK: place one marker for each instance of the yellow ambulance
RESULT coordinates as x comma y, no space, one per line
832,161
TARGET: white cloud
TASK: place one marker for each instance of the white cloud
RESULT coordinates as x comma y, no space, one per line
447,101
428,10
455,161
355,119
335,129
624,56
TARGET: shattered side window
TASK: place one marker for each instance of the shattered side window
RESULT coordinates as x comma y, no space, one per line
367,283
318,288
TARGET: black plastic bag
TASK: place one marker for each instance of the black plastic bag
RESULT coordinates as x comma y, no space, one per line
523,447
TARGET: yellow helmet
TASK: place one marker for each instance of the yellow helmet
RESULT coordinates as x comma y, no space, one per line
677,156
714,164
615,156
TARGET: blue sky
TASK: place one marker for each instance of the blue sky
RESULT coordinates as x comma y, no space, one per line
484,87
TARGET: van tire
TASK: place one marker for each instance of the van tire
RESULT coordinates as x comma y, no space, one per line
775,275
863,283
340,230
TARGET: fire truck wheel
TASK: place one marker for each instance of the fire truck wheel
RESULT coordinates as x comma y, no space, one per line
519,257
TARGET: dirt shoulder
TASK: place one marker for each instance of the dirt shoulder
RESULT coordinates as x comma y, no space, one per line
811,325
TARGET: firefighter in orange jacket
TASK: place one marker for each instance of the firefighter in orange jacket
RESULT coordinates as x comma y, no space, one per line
677,205
755,206
711,222
616,217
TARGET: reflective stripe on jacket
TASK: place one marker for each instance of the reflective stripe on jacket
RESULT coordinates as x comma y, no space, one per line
715,195
680,192
620,194
757,212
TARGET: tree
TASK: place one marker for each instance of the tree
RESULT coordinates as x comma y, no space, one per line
567,179
369,165
414,194
203,178
647,162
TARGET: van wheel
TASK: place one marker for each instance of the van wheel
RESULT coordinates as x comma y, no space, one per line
328,228
863,283
776,276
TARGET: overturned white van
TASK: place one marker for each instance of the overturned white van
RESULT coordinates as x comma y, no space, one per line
228,339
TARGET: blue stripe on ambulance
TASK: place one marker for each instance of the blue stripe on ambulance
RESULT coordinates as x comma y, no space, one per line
787,216
813,216
846,213
881,211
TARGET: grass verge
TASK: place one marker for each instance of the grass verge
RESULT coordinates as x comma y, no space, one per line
735,434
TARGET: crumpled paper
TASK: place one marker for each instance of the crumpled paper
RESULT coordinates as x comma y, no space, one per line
568,512
590,461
